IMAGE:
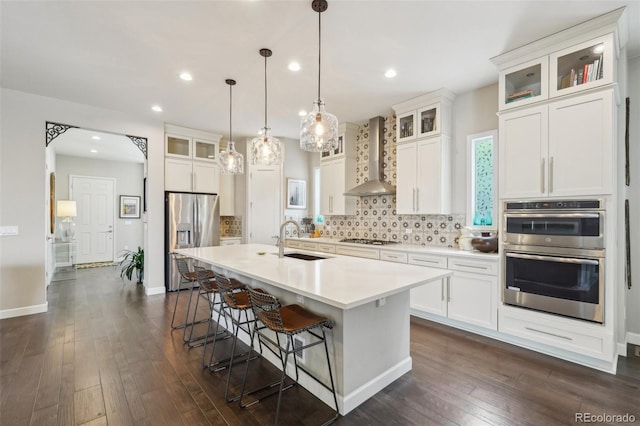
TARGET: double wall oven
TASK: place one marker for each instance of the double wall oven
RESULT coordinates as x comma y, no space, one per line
553,257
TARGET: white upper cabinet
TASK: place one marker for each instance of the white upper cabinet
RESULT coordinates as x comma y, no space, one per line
191,160
578,59
583,66
423,162
524,83
564,148
347,140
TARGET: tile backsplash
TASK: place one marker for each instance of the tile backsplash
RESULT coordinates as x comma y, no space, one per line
376,216
231,226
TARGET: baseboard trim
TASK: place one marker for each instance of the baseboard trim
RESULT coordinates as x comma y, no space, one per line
151,291
27,310
633,338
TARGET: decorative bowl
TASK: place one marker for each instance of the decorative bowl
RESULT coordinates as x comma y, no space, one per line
485,244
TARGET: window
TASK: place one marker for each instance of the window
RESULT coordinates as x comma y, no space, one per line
482,183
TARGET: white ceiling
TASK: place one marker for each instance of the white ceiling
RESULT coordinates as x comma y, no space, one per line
127,56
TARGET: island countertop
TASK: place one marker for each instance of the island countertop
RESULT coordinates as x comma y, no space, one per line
344,282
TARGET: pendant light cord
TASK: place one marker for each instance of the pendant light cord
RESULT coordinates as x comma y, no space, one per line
265,92
319,50
230,115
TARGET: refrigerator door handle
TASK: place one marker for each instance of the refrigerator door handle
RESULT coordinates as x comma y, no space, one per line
195,223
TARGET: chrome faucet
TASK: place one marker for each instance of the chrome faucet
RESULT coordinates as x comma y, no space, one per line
281,237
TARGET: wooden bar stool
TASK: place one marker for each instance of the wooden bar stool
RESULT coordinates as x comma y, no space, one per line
187,282
287,321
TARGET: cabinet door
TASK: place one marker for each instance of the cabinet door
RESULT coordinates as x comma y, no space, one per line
523,153
524,83
406,177
406,126
431,193
581,145
205,150
430,298
177,146
206,178
177,175
337,170
326,188
473,299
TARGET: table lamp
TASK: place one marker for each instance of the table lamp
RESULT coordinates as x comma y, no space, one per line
67,210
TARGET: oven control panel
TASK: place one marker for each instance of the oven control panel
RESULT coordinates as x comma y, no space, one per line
554,205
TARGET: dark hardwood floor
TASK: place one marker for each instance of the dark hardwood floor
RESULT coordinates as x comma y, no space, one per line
105,354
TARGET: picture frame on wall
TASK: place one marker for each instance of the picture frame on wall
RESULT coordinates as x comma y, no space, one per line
296,194
130,207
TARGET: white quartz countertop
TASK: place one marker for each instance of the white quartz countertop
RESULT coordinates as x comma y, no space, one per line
408,248
341,281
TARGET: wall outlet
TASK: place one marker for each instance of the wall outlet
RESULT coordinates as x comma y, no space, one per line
300,299
381,302
299,342
327,227
408,231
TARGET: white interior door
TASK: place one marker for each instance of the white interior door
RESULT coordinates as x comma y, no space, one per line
94,197
265,204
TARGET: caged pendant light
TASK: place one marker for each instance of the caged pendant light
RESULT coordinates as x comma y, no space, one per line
265,149
231,161
319,129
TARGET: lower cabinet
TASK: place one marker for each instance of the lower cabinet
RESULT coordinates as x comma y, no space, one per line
469,297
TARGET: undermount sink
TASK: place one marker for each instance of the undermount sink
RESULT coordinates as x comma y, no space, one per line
304,256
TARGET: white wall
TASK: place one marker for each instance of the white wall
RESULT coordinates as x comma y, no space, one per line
22,191
473,112
129,178
633,193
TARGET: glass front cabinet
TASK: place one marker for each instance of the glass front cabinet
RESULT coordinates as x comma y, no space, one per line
406,126
524,83
581,67
188,148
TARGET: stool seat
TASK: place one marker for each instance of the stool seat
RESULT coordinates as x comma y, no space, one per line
295,319
239,300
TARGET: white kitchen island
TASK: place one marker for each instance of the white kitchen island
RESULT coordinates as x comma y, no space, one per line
368,300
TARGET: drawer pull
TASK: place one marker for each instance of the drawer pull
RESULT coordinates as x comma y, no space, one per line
427,261
462,265
548,333
391,257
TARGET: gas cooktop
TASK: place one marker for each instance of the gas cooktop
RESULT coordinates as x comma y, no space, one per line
367,241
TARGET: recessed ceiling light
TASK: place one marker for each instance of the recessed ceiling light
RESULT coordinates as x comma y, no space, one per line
302,113
599,48
186,76
95,151
95,137
294,66
157,108
390,73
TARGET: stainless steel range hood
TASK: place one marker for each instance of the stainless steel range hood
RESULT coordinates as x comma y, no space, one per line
376,184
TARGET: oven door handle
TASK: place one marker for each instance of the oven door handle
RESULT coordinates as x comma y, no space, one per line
554,215
554,258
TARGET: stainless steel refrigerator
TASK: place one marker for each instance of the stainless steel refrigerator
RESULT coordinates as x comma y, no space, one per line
191,220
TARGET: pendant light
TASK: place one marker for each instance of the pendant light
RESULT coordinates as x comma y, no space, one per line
231,161
319,129
265,149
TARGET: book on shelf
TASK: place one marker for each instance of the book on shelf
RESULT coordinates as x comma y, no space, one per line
520,95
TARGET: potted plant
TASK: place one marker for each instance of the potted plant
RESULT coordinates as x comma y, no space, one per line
132,261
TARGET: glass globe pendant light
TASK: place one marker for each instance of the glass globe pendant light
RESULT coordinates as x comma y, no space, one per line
319,129
231,161
265,149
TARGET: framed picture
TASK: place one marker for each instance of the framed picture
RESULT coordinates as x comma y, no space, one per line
296,194
130,206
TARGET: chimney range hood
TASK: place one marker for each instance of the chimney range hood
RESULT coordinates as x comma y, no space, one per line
376,184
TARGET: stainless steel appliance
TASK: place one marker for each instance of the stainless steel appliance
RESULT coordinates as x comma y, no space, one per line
191,220
553,257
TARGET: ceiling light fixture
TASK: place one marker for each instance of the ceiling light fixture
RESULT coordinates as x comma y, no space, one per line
319,129
302,113
231,161
186,76
94,151
265,149
157,108
390,73
95,137
294,66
